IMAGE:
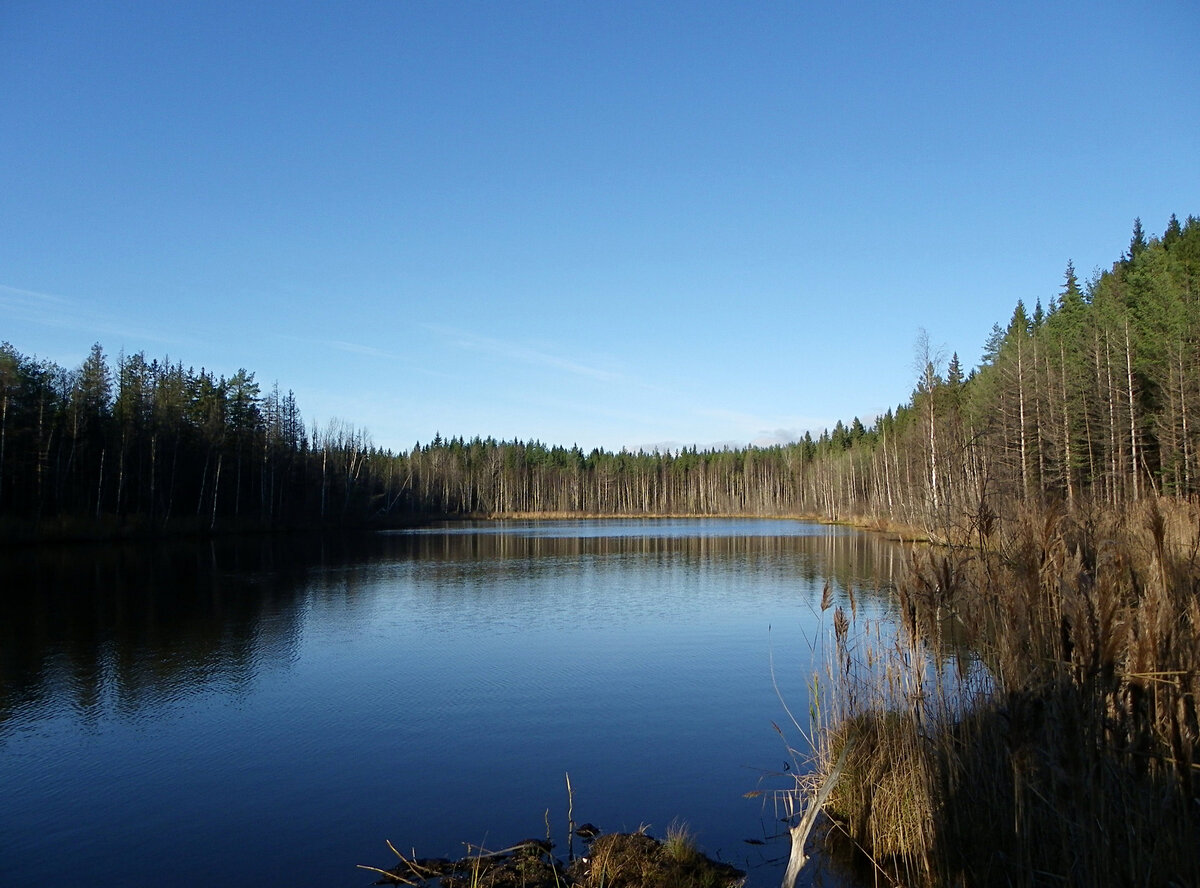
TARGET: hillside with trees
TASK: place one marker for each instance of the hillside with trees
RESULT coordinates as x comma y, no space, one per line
1093,398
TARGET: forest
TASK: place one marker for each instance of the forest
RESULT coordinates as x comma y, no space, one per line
1092,399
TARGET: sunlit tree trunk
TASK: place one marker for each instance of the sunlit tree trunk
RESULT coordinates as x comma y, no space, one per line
1112,420
1183,414
100,483
1038,440
1133,435
1068,462
216,490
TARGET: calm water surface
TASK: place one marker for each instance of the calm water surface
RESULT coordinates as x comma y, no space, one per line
267,714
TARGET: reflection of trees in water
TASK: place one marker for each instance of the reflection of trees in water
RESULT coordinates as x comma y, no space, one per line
865,561
132,627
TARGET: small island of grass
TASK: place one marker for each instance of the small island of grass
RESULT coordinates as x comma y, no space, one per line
612,860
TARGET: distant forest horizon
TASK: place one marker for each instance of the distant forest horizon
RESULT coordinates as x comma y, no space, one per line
1093,399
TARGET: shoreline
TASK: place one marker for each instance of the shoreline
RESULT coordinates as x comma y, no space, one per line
135,530
899,533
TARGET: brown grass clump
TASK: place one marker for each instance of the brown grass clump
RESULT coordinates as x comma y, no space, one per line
1035,723
635,860
523,869
882,797
620,860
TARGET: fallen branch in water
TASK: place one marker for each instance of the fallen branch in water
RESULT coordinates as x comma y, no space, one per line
421,872
800,831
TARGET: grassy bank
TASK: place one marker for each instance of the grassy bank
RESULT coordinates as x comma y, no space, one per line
649,516
886,527
1035,720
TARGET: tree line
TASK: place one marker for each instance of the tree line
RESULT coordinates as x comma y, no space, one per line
1090,400
149,445
1094,398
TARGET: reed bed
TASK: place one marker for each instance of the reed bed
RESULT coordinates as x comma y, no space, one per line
1033,721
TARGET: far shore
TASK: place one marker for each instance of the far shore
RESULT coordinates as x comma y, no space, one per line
137,530
889,529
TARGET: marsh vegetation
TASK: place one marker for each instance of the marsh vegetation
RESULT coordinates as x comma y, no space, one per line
1049,735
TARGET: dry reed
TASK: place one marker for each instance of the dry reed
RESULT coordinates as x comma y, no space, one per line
1034,721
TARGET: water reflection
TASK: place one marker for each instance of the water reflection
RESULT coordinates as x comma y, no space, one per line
133,628
94,627
238,684
847,557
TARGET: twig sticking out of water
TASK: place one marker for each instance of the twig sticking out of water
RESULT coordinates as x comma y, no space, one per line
570,820
413,867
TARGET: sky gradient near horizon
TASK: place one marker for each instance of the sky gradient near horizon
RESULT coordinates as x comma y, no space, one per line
604,224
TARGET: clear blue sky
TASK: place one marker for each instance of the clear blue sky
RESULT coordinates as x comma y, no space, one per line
611,224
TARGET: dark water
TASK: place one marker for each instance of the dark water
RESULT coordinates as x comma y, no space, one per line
269,713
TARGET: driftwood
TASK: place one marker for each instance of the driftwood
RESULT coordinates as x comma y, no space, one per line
800,831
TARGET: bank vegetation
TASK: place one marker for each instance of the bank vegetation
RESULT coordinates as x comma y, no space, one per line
1033,720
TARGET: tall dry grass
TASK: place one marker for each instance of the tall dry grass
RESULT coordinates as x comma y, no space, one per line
1034,720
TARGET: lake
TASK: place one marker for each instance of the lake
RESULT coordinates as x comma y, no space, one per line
267,713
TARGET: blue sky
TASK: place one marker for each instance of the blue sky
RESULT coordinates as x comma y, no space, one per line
611,224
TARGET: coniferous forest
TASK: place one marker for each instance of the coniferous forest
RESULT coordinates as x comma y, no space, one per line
1091,399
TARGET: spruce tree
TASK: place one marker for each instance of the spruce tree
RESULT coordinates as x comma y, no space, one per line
1137,243
1070,300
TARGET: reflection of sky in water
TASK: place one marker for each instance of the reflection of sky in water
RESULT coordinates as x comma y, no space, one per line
431,690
